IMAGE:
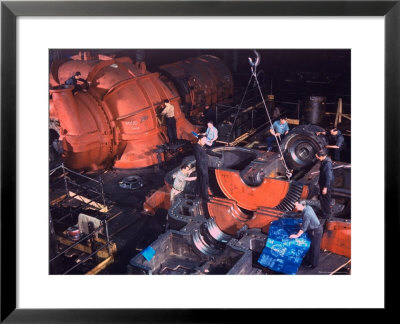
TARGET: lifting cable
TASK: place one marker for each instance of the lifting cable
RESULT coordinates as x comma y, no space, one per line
253,67
239,108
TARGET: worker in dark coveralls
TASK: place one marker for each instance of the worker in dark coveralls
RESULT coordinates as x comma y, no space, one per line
169,112
201,155
335,143
201,166
74,81
325,182
209,113
279,129
313,228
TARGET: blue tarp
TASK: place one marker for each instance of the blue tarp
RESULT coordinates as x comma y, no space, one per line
281,253
148,253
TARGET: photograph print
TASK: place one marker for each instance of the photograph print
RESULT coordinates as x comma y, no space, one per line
199,161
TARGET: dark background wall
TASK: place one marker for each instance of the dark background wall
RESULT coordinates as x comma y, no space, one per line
290,74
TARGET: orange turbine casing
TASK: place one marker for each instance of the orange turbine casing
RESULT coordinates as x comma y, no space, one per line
230,219
115,122
269,193
337,237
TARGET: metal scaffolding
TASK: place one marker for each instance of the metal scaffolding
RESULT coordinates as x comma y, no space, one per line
81,193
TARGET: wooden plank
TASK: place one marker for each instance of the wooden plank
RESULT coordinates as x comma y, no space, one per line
101,266
58,199
102,208
243,137
250,145
113,216
103,253
293,121
347,116
338,118
340,267
329,263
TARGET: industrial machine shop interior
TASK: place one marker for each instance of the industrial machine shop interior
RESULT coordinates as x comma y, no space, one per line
112,163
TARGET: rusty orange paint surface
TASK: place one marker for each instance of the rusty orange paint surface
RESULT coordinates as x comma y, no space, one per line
305,192
337,238
230,219
116,122
268,194
263,217
158,199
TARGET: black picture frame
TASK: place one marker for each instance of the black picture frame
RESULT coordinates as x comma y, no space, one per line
10,10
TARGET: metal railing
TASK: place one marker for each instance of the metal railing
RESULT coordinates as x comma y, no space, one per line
95,187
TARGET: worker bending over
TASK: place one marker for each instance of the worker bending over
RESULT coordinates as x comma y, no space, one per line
313,228
180,180
335,143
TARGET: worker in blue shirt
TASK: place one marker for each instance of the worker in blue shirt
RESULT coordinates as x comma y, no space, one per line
325,182
335,143
313,228
211,133
279,129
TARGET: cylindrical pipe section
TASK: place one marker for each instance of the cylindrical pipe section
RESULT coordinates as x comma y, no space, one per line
314,110
200,81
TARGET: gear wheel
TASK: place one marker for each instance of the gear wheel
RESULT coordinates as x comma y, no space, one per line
300,145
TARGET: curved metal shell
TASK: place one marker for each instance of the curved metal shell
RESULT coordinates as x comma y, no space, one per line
230,219
337,237
116,121
203,80
269,193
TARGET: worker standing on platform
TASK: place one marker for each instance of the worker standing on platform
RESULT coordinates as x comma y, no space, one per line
335,143
313,228
169,112
211,133
201,154
279,129
325,182
180,180
201,166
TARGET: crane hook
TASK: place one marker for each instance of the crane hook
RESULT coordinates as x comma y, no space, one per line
257,60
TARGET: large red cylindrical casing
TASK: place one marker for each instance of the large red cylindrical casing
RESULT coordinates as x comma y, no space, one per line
115,122
84,133
203,80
